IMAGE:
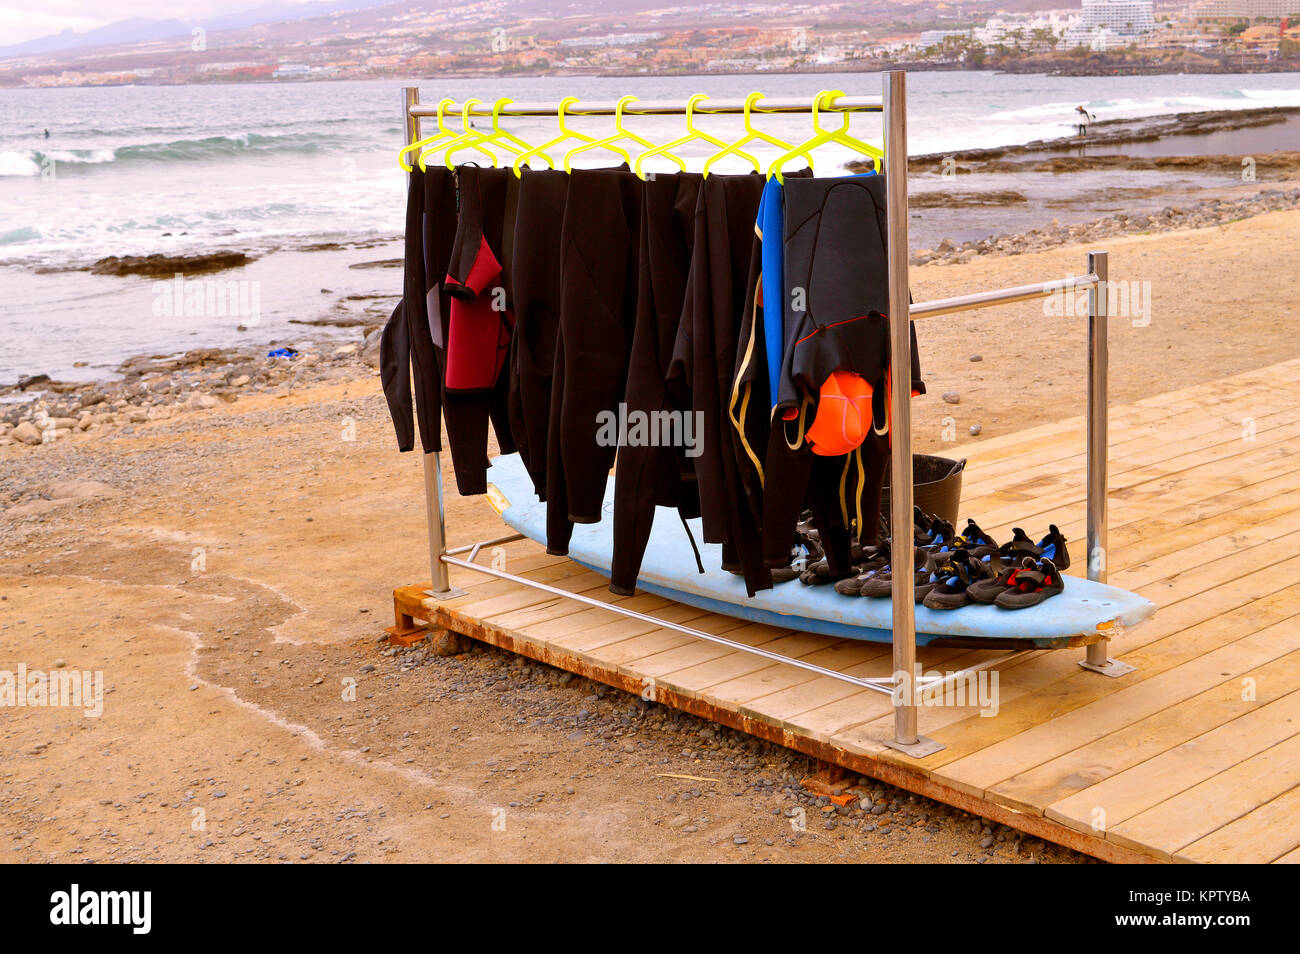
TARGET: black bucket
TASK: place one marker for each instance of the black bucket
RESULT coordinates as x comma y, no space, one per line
936,487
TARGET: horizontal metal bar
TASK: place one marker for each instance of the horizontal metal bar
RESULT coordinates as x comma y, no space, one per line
1000,296
509,538
931,684
782,106
665,624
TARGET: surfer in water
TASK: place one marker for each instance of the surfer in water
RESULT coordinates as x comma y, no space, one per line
47,134
1083,117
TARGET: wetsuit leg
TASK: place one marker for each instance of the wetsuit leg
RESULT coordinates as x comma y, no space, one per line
720,268
649,475
535,295
597,314
787,476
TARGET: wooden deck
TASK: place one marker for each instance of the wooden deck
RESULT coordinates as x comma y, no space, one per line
1194,757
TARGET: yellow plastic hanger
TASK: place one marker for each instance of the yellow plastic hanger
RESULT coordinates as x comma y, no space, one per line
468,137
824,136
496,137
565,133
608,141
420,144
751,134
691,134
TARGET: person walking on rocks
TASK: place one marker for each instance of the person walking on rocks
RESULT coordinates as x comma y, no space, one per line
1083,117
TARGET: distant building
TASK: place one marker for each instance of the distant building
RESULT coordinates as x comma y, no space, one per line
231,67
612,39
1125,17
1247,9
931,38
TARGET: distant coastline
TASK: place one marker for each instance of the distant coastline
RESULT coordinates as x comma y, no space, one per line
1098,65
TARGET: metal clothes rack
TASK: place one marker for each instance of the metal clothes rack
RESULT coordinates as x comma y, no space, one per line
906,684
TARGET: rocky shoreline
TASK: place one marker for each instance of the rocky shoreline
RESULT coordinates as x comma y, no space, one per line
1200,215
158,387
1045,155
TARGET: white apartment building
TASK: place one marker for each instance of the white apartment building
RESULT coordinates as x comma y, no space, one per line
1247,9
931,38
1110,24
1126,17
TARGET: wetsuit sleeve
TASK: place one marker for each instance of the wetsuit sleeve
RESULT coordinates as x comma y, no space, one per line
395,376
428,377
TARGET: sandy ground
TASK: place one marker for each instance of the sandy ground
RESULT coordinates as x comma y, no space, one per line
236,575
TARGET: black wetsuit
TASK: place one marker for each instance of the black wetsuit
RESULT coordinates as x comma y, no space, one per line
481,201
704,360
406,344
417,334
835,234
750,398
598,287
534,268
648,476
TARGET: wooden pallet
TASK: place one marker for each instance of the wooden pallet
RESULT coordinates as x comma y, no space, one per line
1194,757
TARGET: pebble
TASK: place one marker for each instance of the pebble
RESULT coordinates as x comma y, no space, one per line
740,840
977,357
26,433
975,430
951,397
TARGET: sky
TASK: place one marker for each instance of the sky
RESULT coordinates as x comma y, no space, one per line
22,20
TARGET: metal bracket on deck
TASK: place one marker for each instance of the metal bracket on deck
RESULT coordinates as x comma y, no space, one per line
918,749
1111,667
1098,661
448,594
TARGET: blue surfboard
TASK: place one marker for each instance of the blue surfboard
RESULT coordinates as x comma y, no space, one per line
1085,612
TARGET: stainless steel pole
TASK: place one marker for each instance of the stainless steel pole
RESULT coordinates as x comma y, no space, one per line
434,514
1098,444
900,428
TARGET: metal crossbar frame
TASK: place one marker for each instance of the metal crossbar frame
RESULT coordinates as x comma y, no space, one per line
768,107
905,684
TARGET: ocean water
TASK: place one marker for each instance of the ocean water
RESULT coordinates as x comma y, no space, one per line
275,168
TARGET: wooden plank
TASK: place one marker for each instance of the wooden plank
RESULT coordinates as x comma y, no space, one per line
573,578
1132,446
1124,793
1050,685
699,677
1213,469
1094,765
661,662
1217,802
1268,832
1043,490
994,763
